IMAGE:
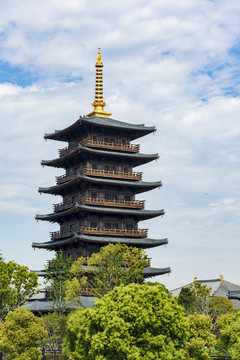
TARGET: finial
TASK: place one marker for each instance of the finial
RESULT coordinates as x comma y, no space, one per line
195,279
98,103
221,277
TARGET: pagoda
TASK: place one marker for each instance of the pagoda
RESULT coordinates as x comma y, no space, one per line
99,185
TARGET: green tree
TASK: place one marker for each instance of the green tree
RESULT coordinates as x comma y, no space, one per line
230,334
55,325
187,298
219,305
112,266
21,335
195,299
57,273
17,284
131,322
200,340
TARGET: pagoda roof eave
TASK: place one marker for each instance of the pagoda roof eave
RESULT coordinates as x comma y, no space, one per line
138,158
137,130
150,271
147,271
143,243
146,214
138,186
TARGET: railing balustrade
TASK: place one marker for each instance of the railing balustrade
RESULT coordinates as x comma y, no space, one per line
100,231
88,200
101,145
67,149
111,145
101,172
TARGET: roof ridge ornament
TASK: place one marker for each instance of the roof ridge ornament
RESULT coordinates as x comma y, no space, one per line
98,103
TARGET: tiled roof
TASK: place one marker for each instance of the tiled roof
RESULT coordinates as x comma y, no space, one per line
137,186
136,158
147,271
218,288
143,214
46,305
134,130
144,243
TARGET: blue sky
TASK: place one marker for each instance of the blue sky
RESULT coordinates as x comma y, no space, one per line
171,64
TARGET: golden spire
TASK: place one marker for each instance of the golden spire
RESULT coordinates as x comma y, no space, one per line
98,103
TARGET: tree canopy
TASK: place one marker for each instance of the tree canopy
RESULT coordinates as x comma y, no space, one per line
55,325
57,273
112,266
230,333
17,284
200,340
21,335
130,322
194,298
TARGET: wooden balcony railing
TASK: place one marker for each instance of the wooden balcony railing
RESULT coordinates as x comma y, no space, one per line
116,203
67,150
111,145
118,174
88,200
100,144
66,205
115,231
100,231
112,173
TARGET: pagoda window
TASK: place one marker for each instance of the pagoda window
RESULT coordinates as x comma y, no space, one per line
109,140
129,226
94,166
128,197
112,225
110,167
93,224
111,196
93,194
126,169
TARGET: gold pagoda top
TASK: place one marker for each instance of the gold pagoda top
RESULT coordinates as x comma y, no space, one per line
98,103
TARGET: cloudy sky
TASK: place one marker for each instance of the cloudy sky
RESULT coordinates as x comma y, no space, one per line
169,63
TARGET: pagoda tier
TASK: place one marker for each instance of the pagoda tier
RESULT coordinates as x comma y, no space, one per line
84,125
80,210
82,181
83,154
83,240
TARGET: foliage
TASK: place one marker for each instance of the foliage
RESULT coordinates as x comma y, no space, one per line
195,299
230,333
118,264
56,275
55,325
17,284
131,322
74,286
112,266
21,335
186,298
219,305
200,340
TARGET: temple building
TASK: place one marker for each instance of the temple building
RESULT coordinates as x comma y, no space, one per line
99,185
